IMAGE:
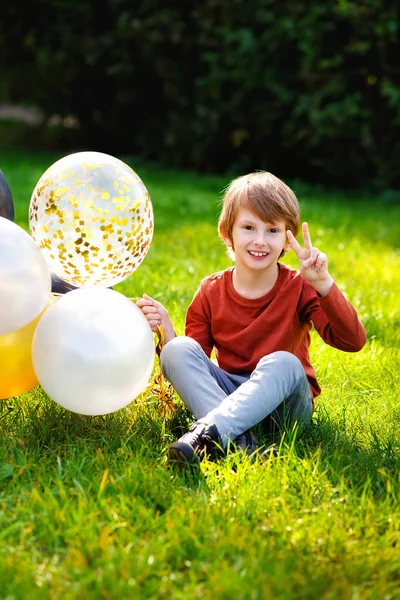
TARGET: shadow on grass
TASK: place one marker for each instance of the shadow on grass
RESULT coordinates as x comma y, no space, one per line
41,426
345,455
35,428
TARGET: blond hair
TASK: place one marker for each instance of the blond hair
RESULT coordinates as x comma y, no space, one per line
263,194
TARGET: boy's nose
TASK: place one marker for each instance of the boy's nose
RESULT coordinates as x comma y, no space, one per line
260,240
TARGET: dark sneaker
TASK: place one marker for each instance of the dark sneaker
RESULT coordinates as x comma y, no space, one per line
192,447
247,443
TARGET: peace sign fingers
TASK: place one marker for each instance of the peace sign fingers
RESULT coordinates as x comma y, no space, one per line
306,237
301,253
297,249
313,263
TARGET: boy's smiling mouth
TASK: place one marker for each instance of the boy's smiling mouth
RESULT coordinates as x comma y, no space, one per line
256,254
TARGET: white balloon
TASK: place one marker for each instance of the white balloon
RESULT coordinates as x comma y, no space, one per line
25,278
93,351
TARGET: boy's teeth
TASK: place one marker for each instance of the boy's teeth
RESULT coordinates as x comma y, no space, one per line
258,253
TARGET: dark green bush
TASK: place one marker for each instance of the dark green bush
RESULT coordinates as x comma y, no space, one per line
305,89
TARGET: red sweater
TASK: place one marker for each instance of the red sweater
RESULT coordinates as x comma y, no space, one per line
242,330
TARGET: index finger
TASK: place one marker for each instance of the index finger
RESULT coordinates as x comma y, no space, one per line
144,302
306,236
293,242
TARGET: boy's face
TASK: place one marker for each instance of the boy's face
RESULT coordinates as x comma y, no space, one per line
257,244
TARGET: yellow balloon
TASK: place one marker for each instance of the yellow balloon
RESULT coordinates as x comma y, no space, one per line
16,370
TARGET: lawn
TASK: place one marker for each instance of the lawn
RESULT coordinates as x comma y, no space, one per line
89,509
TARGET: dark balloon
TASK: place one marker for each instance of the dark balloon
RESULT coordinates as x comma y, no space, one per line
6,201
58,286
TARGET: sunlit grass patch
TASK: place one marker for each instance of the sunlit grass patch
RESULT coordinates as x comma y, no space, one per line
88,505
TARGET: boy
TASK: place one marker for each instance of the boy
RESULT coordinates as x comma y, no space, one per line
257,316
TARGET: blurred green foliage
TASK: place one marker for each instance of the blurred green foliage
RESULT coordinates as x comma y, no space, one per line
308,90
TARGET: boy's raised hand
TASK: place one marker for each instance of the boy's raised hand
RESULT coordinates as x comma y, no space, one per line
313,263
156,314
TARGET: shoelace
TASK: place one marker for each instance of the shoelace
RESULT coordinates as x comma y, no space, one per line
191,436
200,440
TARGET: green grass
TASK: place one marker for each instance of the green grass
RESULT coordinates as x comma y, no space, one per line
88,507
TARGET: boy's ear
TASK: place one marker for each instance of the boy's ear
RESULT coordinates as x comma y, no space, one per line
227,241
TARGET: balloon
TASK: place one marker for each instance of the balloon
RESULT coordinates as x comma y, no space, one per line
25,280
93,218
16,368
58,286
93,351
6,201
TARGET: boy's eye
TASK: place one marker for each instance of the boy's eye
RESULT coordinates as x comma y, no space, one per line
248,227
273,230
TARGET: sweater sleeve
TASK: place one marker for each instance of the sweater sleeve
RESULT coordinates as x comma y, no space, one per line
198,321
335,319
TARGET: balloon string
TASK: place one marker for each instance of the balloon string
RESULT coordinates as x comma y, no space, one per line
159,387
161,340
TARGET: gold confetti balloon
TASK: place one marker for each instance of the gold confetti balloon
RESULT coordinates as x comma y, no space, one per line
92,216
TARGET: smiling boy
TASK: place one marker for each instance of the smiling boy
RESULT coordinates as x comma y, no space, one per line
257,317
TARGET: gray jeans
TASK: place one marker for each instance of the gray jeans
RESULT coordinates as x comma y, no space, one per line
277,388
